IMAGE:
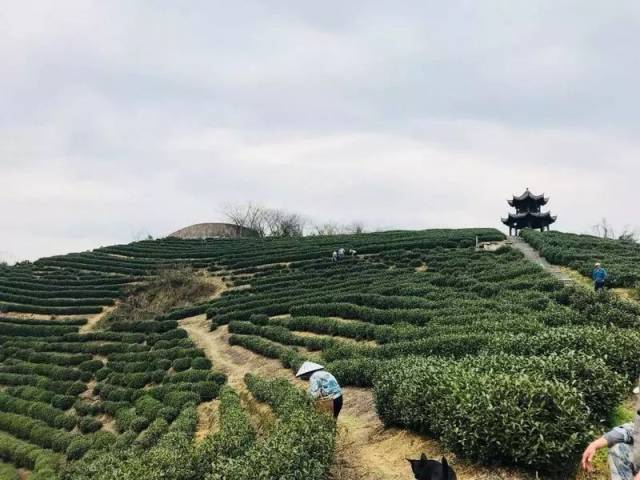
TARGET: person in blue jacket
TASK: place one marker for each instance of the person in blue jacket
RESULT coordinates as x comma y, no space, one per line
322,385
599,276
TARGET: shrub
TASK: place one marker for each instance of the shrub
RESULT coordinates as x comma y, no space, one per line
76,389
302,440
89,425
148,407
181,364
488,417
234,437
102,440
152,434
22,454
179,399
168,413
63,402
201,363
91,366
78,447
139,423
8,472
124,418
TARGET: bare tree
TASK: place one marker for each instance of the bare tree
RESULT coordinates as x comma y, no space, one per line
355,228
292,225
266,221
235,214
603,229
279,223
328,228
332,228
628,234
141,235
246,216
272,221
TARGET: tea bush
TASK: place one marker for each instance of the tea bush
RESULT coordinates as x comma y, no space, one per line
299,446
562,356
487,417
580,252
8,472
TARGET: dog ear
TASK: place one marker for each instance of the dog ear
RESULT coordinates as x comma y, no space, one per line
423,458
415,465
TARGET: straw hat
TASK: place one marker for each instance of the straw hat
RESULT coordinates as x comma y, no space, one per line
308,367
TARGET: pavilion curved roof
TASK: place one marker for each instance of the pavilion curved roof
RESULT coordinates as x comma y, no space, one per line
527,195
538,215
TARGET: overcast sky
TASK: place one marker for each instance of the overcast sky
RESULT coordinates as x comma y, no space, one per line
119,118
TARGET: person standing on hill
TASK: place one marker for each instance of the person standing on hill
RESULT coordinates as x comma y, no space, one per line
322,385
599,276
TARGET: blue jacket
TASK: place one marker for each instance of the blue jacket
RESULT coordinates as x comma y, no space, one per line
323,385
599,275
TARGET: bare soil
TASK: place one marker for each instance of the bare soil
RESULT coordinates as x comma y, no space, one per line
94,321
88,394
108,423
207,416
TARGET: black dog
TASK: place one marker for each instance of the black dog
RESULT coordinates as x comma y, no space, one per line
425,469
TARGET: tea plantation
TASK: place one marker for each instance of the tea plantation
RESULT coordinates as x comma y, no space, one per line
580,252
482,350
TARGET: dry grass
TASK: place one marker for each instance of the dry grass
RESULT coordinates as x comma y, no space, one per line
577,277
207,419
169,289
369,343
629,294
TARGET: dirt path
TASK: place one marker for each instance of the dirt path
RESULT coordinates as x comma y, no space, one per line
92,322
564,274
365,448
533,255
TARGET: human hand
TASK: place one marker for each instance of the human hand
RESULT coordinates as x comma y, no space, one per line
587,457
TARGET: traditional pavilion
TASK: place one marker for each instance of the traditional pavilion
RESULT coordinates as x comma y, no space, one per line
528,214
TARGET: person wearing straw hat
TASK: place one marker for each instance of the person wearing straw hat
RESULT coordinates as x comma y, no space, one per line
322,385
599,276
624,457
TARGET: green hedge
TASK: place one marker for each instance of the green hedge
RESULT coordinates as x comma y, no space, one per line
234,437
8,472
528,421
300,445
35,431
43,463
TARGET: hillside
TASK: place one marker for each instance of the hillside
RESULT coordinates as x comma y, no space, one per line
580,252
483,351
213,230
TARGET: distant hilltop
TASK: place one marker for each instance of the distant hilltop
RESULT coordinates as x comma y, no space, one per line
214,230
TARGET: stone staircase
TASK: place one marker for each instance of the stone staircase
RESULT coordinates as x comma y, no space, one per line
533,255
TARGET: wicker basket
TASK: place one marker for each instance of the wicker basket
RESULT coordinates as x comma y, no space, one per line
324,405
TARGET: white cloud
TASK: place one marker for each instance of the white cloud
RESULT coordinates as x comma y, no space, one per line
121,117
